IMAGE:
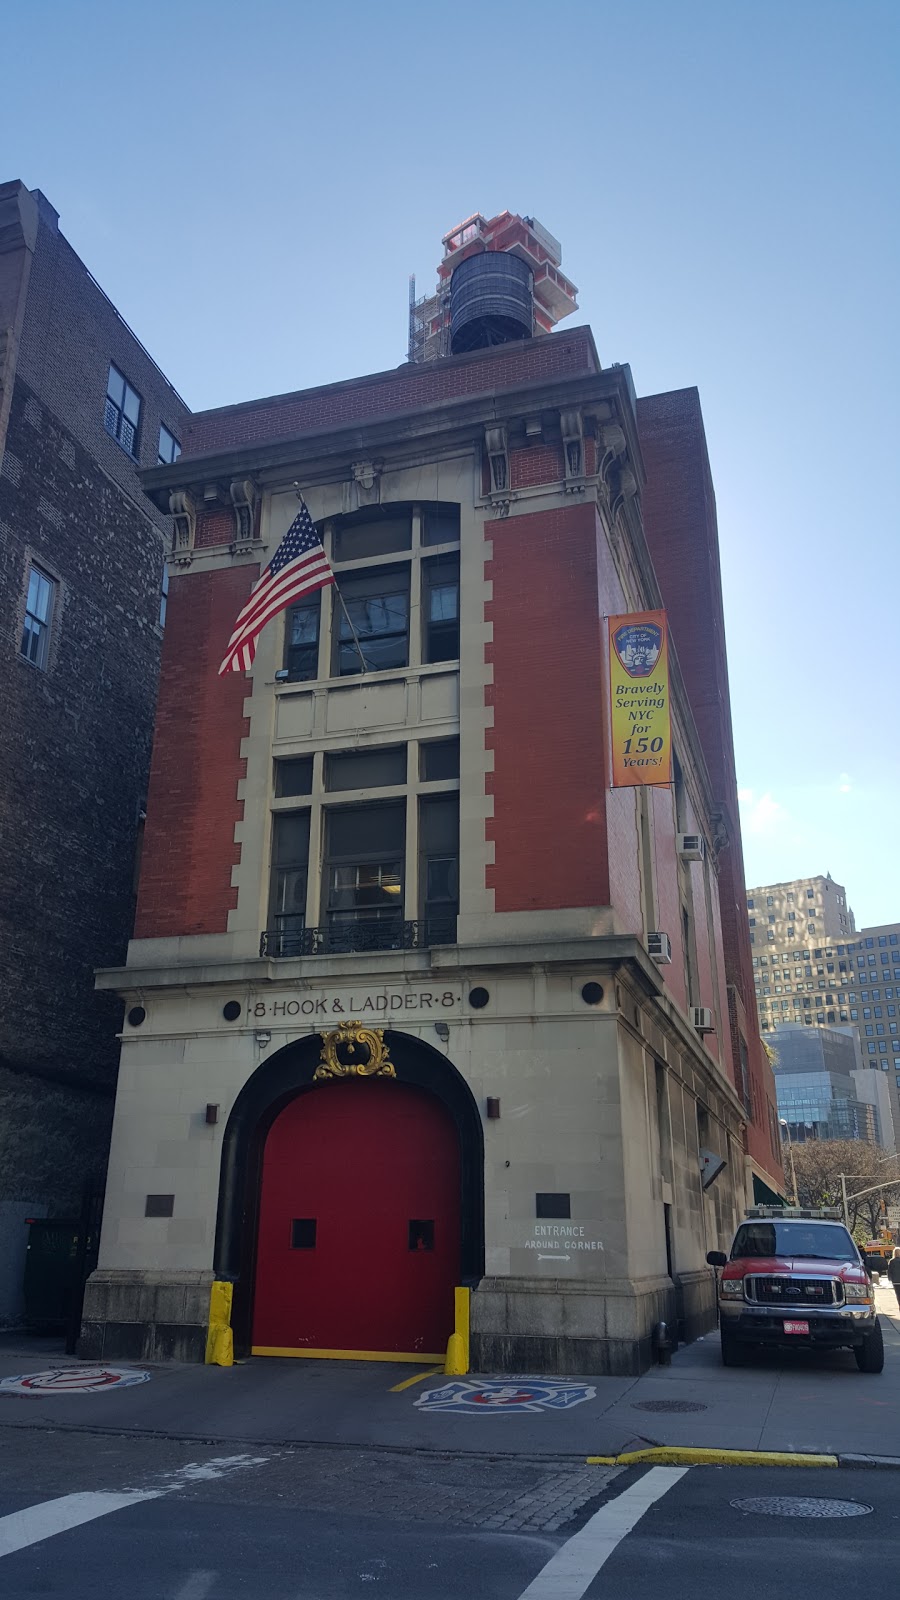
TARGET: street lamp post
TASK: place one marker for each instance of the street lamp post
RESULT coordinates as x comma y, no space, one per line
790,1144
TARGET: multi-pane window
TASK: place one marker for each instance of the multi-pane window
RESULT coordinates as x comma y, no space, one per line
302,640
366,769
439,866
377,603
290,861
369,614
363,876
39,605
360,878
438,759
169,448
293,776
378,532
440,583
122,413
163,596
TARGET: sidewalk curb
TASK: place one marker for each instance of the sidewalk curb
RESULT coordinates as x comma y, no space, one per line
868,1461
686,1456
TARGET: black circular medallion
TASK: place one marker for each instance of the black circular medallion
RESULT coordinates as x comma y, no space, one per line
136,1016
478,998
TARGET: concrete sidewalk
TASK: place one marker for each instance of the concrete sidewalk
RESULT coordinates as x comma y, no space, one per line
798,1402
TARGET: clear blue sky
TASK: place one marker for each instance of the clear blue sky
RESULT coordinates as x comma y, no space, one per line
252,185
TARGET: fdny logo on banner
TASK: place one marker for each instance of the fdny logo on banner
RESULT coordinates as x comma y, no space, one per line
638,647
515,1394
640,724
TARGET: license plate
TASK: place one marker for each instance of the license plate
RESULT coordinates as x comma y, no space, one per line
796,1327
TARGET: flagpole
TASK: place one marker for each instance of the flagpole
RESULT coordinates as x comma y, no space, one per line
365,664
363,661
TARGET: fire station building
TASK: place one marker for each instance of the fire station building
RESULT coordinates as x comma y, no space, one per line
416,1001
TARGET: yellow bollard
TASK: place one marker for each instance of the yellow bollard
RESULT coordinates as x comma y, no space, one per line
219,1338
457,1362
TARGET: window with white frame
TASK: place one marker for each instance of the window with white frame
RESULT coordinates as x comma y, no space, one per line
396,565
169,449
40,604
122,412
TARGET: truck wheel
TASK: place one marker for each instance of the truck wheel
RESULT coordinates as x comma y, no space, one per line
870,1354
732,1349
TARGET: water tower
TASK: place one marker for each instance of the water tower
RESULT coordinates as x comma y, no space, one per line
499,281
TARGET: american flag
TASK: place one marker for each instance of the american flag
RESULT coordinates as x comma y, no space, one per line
299,566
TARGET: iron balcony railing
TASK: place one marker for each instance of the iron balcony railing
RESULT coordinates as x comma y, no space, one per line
359,935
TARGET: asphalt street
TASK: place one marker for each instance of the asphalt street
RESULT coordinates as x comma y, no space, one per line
318,1524
155,1492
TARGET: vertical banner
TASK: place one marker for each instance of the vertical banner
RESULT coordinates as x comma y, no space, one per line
639,699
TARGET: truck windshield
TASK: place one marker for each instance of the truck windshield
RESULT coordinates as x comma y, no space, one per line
815,1240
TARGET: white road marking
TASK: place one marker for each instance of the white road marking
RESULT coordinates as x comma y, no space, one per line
42,1521
197,1587
206,1471
22,1528
575,1565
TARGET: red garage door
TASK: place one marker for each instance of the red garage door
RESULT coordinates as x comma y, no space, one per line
358,1247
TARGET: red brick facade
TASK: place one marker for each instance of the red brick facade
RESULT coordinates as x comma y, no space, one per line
189,847
549,778
680,524
363,399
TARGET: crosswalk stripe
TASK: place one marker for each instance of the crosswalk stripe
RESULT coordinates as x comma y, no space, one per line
572,1570
22,1528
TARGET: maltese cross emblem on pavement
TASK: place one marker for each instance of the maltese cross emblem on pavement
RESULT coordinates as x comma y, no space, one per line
512,1394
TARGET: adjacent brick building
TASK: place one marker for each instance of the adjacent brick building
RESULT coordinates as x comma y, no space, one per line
82,407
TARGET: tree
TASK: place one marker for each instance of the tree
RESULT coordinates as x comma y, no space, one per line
819,1164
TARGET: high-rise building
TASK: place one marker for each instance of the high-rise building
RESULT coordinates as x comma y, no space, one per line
82,599
417,1001
814,967
822,1094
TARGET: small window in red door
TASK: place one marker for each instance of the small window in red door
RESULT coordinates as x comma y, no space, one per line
421,1235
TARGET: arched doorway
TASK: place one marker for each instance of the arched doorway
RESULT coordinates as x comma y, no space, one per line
358,1240
433,1112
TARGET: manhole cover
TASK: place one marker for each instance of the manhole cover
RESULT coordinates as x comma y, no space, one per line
668,1405
783,1505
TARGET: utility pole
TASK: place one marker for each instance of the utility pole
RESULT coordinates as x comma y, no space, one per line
891,1184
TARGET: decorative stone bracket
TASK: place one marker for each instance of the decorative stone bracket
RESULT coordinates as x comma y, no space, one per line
184,516
367,481
495,443
572,427
244,499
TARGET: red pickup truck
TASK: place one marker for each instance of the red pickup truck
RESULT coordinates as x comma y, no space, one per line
795,1278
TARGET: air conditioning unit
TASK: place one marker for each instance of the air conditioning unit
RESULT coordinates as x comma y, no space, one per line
691,846
659,946
702,1019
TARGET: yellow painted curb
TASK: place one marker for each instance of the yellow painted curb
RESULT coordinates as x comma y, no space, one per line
400,1358
420,1377
685,1456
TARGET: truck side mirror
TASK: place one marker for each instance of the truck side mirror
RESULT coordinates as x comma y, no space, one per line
716,1258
